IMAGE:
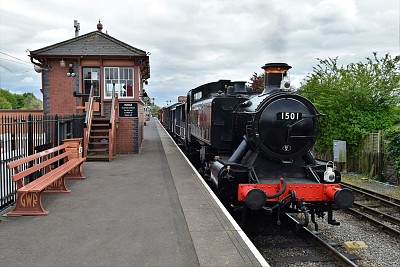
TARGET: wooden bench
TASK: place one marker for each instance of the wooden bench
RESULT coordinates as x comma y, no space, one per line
51,177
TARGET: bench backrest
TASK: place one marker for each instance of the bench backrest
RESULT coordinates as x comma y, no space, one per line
47,157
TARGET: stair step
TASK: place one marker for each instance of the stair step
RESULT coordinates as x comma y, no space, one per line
97,150
98,143
99,131
99,136
97,157
99,117
100,124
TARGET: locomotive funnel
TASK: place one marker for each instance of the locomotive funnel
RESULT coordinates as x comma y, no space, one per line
274,73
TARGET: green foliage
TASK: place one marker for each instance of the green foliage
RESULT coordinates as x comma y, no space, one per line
26,101
4,104
257,82
392,137
358,98
9,97
31,102
154,110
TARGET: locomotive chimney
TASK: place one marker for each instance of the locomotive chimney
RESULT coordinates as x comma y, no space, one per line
274,73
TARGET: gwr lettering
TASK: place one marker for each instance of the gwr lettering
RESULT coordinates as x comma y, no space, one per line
56,184
29,200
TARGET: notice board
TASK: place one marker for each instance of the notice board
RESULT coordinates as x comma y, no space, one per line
128,110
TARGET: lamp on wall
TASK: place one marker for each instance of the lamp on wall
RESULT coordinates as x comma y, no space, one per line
37,68
62,63
70,72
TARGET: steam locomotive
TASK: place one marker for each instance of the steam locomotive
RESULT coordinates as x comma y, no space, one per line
253,149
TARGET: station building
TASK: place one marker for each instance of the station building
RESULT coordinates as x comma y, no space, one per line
99,61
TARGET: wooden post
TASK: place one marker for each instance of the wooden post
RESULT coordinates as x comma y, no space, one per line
75,146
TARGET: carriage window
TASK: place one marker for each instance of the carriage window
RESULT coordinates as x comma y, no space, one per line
123,80
197,96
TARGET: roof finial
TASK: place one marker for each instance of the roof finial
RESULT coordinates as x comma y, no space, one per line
99,26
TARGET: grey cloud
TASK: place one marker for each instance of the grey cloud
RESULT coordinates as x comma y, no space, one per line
195,42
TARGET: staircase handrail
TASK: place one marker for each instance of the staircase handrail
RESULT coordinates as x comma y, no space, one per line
112,124
88,120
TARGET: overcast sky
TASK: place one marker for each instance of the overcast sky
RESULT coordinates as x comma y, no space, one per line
196,42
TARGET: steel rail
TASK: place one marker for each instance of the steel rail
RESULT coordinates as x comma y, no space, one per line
331,250
377,213
365,213
383,227
392,202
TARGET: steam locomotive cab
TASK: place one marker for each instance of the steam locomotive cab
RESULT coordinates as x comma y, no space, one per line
210,113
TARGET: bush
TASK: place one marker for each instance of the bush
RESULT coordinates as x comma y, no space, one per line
392,137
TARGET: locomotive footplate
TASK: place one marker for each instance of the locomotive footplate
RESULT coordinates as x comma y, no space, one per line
308,199
256,196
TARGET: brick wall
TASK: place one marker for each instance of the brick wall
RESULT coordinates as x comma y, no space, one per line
58,96
125,135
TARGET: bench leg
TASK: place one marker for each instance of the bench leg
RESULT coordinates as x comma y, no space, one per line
76,173
58,186
28,203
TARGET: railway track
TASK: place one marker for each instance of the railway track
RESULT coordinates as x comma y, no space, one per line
294,245
379,210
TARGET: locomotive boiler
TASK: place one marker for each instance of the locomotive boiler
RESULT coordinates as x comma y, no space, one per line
254,148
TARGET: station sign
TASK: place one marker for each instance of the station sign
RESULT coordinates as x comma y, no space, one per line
127,110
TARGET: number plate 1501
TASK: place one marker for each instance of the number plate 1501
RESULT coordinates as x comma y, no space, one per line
289,115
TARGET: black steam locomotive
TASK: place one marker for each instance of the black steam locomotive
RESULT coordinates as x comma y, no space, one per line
253,148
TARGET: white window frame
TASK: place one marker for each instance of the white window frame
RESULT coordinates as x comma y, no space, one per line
118,75
96,92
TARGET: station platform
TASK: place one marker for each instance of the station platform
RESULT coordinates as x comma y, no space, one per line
147,209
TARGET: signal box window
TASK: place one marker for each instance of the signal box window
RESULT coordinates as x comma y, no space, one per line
91,75
123,80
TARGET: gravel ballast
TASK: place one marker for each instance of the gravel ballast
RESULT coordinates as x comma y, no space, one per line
383,250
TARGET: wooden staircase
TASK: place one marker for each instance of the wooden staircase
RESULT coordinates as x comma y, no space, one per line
100,132
99,139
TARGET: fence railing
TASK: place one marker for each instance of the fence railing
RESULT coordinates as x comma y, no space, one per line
372,156
23,135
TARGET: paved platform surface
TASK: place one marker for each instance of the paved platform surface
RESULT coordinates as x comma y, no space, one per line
147,209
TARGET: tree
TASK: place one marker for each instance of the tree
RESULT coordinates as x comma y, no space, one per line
392,137
9,100
4,104
358,98
9,97
154,110
31,102
257,82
